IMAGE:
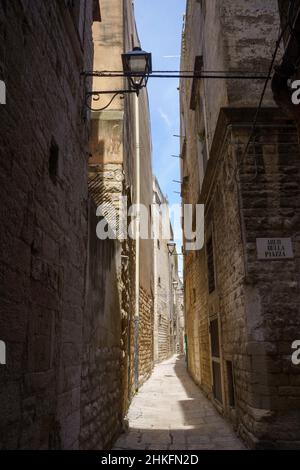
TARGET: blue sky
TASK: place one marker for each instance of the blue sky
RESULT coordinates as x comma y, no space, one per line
159,24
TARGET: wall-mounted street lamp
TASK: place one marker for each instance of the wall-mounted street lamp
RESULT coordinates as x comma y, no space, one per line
171,247
137,66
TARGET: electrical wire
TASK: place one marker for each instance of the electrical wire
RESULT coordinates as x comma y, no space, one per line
200,75
249,72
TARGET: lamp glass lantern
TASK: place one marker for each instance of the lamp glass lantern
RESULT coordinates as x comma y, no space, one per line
137,66
171,247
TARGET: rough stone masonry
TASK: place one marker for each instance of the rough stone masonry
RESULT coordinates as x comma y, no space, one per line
43,237
242,311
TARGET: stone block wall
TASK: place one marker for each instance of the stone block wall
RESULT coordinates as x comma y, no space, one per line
127,287
163,269
43,231
163,337
101,380
271,291
196,321
255,301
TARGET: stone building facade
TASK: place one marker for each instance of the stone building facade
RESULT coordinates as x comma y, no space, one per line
43,237
126,342
168,308
241,301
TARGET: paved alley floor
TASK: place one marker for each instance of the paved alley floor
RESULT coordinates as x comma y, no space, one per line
170,413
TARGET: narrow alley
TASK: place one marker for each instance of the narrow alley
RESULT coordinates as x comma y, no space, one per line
170,413
150,226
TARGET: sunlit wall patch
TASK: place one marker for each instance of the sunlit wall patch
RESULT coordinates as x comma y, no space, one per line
2,92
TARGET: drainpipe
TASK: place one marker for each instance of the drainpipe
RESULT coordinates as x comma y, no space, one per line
137,244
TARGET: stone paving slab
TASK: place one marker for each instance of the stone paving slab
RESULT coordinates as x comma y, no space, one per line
170,413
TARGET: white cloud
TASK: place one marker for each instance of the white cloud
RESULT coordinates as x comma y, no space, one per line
165,118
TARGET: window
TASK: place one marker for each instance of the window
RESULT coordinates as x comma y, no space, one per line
198,65
216,360
210,265
214,338
230,384
202,148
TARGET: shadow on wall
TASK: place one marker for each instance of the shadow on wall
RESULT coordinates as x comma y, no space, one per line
101,396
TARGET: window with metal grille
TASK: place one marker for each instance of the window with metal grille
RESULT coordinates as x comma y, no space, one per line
210,265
